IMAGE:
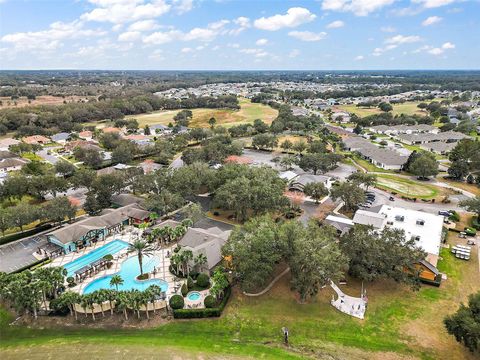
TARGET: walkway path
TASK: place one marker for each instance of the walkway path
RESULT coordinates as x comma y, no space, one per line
349,305
269,285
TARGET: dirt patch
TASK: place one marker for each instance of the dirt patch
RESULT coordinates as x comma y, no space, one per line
7,102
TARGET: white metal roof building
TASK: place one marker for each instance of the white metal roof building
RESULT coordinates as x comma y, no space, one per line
424,227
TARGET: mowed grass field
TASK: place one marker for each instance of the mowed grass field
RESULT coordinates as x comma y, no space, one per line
408,108
247,114
399,324
412,188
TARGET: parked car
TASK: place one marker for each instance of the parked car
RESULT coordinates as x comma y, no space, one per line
470,242
444,213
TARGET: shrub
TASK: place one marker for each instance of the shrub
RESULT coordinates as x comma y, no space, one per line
20,235
470,231
176,302
454,216
71,281
203,313
59,307
475,223
209,302
184,290
108,257
203,280
190,283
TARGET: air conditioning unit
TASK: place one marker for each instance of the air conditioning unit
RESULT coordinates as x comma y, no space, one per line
421,222
399,218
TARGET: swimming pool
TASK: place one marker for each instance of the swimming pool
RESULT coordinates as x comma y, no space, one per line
129,270
193,296
111,248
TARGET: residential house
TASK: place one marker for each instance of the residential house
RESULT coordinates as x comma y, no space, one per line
341,117
6,143
11,164
340,223
384,158
109,130
159,129
36,140
86,135
298,183
61,138
208,242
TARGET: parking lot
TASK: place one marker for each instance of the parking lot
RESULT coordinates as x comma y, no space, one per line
18,254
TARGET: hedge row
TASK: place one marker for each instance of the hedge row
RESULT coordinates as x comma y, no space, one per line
475,223
203,313
17,236
33,266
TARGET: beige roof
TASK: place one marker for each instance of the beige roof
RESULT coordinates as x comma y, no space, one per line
364,217
108,218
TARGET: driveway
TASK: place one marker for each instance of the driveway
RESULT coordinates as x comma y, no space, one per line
52,159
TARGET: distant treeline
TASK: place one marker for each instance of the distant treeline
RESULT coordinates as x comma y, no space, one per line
49,119
116,83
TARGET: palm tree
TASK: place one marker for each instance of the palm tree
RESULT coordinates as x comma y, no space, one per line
199,261
141,248
100,297
111,296
123,300
187,223
153,217
166,233
186,256
116,281
71,298
176,259
153,291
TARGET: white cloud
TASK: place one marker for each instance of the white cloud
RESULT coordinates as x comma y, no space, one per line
294,17
143,25
359,57
401,39
431,20
183,6
258,53
435,50
379,51
358,7
242,22
51,38
186,50
201,34
388,29
294,53
233,45
261,42
336,24
307,35
121,11
430,4
130,36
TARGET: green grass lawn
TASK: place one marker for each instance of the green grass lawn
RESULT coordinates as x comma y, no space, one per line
247,114
399,324
408,108
410,187
367,165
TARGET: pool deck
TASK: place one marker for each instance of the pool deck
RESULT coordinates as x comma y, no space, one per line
119,258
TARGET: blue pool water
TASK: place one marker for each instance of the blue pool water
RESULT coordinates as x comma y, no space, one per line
194,295
111,248
129,270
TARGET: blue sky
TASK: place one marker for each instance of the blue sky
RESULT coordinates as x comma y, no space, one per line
241,34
